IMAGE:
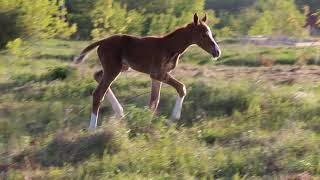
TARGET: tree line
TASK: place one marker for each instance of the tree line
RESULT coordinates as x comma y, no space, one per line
94,19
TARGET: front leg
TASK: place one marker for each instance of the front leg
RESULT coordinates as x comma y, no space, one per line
180,88
155,95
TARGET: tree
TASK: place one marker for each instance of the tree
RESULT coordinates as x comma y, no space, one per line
231,6
241,23
36,19
111,17
154,17
79,13
278,18
175,14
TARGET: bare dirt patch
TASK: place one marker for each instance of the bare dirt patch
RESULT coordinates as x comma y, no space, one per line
274,74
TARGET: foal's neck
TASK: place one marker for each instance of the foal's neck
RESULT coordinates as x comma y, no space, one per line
179,40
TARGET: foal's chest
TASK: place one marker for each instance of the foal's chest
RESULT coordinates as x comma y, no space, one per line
171,62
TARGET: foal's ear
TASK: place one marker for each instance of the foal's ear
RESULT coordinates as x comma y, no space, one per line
204,19
195,19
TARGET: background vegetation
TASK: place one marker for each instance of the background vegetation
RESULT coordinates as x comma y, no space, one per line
253,114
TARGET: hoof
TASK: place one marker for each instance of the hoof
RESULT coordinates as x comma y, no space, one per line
171,121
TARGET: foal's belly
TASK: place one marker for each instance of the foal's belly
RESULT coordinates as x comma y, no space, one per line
135,65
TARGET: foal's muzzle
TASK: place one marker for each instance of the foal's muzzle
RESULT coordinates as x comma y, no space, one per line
216,52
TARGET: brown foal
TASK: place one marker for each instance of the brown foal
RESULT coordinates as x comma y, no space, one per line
156,56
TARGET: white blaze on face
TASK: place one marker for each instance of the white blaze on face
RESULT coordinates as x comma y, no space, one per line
210,33
212,39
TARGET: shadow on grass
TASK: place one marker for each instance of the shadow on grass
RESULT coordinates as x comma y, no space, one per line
67,149
56,73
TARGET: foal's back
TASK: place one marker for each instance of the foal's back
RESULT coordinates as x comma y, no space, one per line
133,43
137,52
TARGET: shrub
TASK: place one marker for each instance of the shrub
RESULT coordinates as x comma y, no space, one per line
203,100
57,73
142,121
17,48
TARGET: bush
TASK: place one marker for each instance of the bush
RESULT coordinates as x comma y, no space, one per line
203,100
142,121
57,73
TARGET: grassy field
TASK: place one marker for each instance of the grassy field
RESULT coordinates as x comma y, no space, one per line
256,119
254,56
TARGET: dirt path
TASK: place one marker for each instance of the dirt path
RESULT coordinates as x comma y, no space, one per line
274,74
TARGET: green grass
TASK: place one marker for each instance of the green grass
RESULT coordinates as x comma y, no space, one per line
230,129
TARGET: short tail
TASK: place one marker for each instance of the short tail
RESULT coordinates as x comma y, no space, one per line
85,51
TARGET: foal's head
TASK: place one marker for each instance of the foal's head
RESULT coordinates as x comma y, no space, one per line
202,36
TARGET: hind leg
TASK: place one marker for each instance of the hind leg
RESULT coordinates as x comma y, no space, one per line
111,69
116,106
97,97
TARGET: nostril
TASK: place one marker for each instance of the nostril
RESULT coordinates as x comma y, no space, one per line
216,52
219,52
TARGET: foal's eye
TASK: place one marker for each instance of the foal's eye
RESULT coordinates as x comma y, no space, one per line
203,35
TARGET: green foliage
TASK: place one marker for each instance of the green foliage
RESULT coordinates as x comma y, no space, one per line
18,48
261,17
142,121
156,17
233,6
36,19
203,101
100,18
111,17
278,18
57,73
79,13
162,23
176,13
50,24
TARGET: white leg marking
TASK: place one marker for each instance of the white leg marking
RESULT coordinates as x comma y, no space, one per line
116,106
176,113
93,121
